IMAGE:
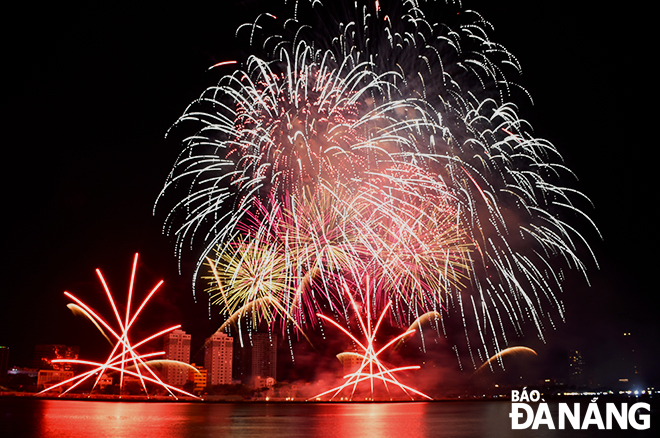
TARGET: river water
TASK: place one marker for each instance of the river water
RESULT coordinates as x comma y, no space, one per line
27,418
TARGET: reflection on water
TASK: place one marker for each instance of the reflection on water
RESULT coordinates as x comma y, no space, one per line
108,419
27,418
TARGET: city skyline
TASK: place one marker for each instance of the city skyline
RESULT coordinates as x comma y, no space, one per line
254,366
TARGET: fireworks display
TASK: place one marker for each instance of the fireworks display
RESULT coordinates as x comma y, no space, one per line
375,141
124,358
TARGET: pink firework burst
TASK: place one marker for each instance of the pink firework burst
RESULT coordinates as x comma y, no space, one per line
124,358
371,369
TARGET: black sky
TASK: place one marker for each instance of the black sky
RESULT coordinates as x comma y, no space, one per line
90,90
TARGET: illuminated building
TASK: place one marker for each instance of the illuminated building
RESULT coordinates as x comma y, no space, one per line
45,353
350,362
576,368
629,373
262,382
49,378
105,380
177,347
198,378
218,359
257,360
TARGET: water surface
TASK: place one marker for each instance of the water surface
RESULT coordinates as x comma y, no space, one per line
28,418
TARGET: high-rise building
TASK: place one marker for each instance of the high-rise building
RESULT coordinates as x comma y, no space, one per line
629,372
177,347
264,355
218,359
576,368
257,358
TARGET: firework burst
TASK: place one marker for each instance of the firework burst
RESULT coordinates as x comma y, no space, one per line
375,140
370,368
124,358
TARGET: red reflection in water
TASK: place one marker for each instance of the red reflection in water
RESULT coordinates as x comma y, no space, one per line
25,417
96,419
358,420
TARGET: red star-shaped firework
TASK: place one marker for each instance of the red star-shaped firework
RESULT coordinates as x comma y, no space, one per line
124,357
371,368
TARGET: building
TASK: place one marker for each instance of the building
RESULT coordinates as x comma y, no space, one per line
48,378
199,378
259,382
257,360
628,364
45,353
218,351
264,355
350,361
576,368
177,347
105,380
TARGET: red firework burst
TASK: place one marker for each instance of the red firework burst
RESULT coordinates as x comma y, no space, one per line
124,357
371,369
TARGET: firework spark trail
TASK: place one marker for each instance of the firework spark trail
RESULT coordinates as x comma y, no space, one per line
375,140
511,351
118,361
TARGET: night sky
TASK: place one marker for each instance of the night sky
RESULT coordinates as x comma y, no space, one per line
90,91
